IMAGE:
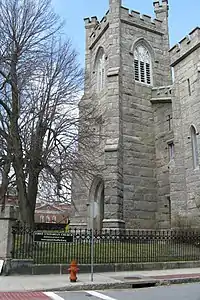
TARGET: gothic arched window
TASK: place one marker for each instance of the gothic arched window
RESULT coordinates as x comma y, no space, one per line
195,154
100,70
142,65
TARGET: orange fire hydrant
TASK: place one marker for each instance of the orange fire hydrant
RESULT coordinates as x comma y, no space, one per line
73,269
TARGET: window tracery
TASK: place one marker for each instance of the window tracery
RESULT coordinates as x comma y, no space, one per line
142,65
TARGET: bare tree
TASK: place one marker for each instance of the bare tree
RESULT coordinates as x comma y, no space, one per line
40,84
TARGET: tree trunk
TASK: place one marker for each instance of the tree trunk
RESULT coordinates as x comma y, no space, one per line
32,194
4,185
18,161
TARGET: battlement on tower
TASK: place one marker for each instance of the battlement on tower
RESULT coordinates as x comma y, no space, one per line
141,20
187,45
158,6
98,26
131,17
89,22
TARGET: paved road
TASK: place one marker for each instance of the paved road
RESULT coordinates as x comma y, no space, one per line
178,292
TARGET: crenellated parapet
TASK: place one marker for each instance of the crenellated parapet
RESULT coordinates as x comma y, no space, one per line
98,27
131,17
160,6
134,18
91,22
161,94
187,45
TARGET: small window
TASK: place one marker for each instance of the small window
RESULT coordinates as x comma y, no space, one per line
189,87
195,154
47,219
169,210
142,65
171,150
100,70
54,219
41,219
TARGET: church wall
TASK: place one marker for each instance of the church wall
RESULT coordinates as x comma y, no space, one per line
139,156
108,153
185,180
81,185
127,151
163,136
80,196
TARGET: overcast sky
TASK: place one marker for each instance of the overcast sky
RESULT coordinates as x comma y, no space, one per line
184,16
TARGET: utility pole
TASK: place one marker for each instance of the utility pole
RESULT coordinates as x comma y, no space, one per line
93,213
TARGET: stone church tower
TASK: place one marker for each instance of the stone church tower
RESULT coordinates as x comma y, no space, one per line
128,76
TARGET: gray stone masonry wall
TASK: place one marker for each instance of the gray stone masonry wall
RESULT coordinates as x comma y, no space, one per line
113,176
161,11
185,180
105,34
142,194
162,106
127,151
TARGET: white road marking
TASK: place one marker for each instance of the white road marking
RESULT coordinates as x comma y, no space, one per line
53,296
100,296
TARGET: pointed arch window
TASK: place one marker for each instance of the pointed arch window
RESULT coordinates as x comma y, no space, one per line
142,65
100,70
195,154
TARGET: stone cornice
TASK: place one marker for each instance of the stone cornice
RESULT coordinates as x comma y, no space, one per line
141,27
161,100
113,72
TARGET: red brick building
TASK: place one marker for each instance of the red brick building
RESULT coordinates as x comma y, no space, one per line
47,212
52,213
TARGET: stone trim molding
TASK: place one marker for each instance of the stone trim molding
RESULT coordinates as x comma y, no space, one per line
113,72
161,100
142,27
113,221
111,148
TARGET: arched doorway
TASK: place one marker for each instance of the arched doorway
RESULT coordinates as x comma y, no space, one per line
97,195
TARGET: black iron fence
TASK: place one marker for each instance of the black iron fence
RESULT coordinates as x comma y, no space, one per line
57,247
49,226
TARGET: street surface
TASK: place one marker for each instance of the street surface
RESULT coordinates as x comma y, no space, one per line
178,292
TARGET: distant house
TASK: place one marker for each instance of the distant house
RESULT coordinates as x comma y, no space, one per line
56,212
11,199
52,213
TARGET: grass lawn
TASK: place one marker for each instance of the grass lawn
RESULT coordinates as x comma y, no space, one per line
106,252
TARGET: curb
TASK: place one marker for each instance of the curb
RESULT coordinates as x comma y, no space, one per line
179,280
148,282
129,284
102,286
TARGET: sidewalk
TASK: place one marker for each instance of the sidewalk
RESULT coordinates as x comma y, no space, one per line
101,280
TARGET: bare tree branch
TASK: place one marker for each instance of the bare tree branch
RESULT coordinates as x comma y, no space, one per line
40,85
